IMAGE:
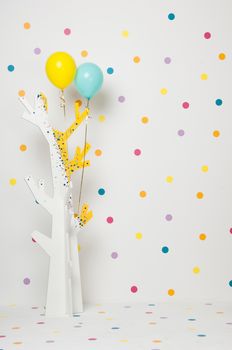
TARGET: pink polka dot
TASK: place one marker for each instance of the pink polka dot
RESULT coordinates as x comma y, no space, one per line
109,219
33,240
67,31
207,35
231,230
185,105
134,289
137,152
92,338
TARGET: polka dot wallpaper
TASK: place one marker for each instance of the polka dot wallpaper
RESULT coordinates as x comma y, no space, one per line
160,180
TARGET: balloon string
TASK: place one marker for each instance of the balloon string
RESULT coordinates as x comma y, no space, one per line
62,101
83,168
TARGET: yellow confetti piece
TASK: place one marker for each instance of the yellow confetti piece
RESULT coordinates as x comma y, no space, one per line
125,33
169,179
84,53
139,235
204,76
196,269
136,59
101,118
144,120
163,91
204,168
12,182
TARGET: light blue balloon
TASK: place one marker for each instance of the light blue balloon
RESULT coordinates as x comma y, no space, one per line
88,80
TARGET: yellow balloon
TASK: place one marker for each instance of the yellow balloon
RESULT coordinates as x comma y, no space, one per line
61,69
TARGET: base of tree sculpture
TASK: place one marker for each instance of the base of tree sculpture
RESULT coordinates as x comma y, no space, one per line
64,295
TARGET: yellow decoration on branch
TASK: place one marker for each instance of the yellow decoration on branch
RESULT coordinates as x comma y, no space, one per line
62,137
85,215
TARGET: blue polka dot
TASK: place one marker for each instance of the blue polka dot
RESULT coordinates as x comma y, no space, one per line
11,68
218,102
201,335
110,70
171,16
115,328
165,250
101,191
191,319
230,283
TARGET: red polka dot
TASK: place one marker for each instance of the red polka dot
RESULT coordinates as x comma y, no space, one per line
231,230
67,31
137,152
185,105
207,35
109,219
33,240
134,289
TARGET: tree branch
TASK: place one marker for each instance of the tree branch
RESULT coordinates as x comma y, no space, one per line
40,196
44,241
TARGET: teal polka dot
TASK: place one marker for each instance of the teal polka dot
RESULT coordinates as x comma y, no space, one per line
171,16
110,70
11,68
101,191
165,250
218,102
230,283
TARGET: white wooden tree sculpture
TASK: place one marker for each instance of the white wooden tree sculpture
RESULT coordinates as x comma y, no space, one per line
64,295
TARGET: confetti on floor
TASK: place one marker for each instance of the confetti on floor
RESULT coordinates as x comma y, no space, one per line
151,326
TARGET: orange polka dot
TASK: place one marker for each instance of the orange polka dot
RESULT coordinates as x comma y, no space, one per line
98,152
136,59
144,120
200,195
79,102
171,292
202,236
142,194
222,56
21,93
84,53
23,148
26,25
156,341
216,133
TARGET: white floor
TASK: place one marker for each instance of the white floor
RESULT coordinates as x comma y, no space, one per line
159,326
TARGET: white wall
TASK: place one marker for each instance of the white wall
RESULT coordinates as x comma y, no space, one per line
96,26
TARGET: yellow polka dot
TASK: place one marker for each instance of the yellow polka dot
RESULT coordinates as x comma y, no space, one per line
142,194
222,56
12,182
78,247
26,25
216,133
23,148
163,91
21,93
169,179
202,236
79,102
139,235
98,152
123,340
200,195
171,292
204,168
196,269
136,59
144,120
204,76
101,118
125,33
84,53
